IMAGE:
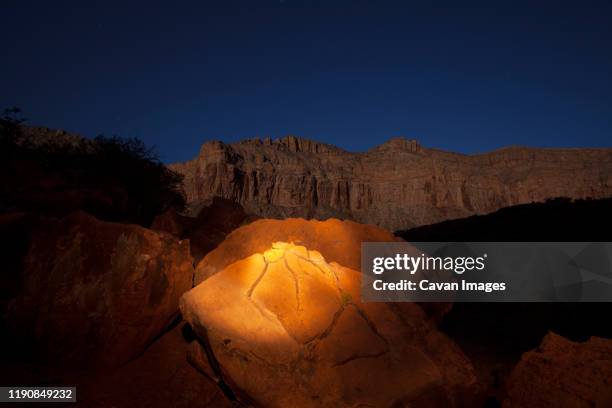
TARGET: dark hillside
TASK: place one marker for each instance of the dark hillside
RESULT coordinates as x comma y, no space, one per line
560,219
54,173
502,332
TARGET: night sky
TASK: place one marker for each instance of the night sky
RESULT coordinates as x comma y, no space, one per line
355,73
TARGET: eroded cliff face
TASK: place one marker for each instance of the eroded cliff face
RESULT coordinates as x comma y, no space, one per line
396,185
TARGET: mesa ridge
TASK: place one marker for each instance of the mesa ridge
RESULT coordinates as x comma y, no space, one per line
396,185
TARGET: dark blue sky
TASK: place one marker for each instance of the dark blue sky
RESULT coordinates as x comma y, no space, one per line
457,76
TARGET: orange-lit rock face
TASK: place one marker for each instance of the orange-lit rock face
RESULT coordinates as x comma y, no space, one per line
338,241
288,329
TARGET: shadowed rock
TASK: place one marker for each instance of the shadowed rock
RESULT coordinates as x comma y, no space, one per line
96,293
161,377
558,219
562,373
208,228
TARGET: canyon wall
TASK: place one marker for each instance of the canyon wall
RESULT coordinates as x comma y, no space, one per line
396,185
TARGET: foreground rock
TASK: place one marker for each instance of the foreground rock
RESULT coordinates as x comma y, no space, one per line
96,293
286,328
338,241
562,373
396,185
161,377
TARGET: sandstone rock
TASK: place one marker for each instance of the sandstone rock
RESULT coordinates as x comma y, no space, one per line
397,185
222,214
286,328
338,241
562,373
172,223
209,227
161,377
96,293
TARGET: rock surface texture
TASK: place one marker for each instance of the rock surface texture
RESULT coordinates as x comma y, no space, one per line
562,373
94,293
286,328
338,241
396,185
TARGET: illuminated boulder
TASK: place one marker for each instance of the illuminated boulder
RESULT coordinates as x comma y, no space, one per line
95,293
284,327
563,373
338,241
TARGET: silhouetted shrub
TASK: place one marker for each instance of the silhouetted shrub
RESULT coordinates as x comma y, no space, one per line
10,123
55,173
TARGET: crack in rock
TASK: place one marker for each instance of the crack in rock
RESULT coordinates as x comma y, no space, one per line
313,336
259,278
357,357
297,286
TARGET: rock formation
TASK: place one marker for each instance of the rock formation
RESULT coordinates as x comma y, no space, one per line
208,229
338,241
161,377
396,185
94,293
562,373
286,328
550,221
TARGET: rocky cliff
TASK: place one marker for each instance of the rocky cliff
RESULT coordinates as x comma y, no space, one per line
396,185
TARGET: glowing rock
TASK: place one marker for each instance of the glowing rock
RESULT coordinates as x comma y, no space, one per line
338,241
288,329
